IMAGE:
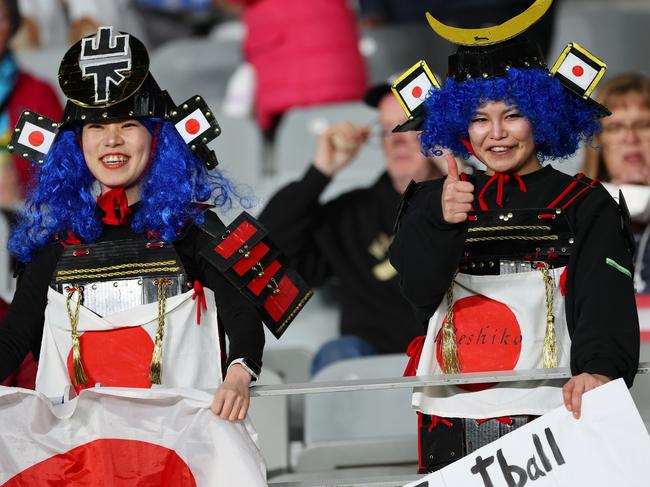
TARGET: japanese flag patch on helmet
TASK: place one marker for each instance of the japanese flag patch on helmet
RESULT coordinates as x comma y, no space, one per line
33,137
580,72
197,125
411,89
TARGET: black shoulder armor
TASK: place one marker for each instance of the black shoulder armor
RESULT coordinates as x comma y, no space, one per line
245,255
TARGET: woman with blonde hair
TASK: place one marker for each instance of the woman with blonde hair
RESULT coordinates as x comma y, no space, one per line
621,152
620,157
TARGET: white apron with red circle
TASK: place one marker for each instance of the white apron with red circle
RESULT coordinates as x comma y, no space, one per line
116,350
500,323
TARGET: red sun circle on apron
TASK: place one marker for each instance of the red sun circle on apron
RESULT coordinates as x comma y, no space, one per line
115,462
118,358
488,337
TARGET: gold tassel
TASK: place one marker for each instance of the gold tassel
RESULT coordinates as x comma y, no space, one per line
155,369
450,363
77,367
549,353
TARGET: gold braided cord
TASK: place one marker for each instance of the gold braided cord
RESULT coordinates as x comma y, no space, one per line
155,369
83,276
450,363
79,374
550,351
511,227
295,311
513,237
118,266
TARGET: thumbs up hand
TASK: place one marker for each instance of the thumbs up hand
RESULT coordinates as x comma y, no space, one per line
457,195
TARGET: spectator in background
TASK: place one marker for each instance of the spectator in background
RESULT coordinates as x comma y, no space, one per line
303,53
18,91
623,159
348,237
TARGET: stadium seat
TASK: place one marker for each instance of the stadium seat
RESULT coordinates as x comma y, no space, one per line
186,67
270,416
239,149
388,50
361,428
291,356
612,31
43,64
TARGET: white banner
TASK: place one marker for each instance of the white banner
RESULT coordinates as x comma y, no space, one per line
609,445
124,437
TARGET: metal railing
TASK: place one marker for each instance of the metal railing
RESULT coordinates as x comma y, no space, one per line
399,383
411,382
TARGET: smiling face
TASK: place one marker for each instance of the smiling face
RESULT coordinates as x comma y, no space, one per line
625,140
116,153
502,139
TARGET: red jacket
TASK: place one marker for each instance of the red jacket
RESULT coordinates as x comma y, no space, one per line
31,94
305,52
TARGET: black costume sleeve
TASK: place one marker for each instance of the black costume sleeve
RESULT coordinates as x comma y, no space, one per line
600,302
292,216
426,250
240,319
22,328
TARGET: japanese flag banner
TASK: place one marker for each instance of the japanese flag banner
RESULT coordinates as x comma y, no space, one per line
608,446
123,437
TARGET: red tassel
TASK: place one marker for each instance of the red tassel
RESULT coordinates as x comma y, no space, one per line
199,297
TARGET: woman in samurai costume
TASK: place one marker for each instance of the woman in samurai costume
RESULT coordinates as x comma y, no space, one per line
519,266
119,284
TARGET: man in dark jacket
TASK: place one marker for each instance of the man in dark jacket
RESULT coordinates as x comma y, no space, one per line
348,238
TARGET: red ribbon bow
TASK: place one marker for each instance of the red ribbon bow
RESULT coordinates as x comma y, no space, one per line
115,198
199,297
414,351
500,179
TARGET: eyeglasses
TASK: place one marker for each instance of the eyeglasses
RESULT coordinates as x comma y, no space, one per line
617,129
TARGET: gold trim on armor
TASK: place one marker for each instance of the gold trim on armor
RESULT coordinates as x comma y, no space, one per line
513,237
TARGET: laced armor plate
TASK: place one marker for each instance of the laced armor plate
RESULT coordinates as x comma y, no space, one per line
118,275
512,241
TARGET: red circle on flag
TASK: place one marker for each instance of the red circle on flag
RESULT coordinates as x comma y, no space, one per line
578,71
36,138
118,358
488,337
416,92
116,462
192,126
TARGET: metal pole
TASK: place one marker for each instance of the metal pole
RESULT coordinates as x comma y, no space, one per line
411,382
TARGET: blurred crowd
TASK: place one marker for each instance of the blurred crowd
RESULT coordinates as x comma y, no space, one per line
301,53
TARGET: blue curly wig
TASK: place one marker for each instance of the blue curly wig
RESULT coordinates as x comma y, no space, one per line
559,119
63,201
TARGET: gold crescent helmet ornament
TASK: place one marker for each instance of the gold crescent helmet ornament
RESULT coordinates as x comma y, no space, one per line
491,35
